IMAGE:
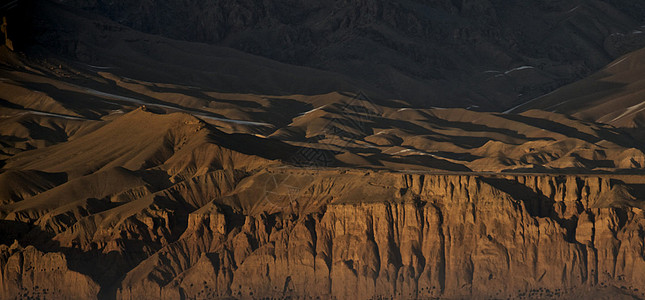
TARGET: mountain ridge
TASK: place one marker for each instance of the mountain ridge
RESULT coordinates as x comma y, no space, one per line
422,49
138,166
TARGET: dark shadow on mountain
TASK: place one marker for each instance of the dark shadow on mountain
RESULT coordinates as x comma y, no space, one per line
553,127
5,103
272,149
594,163
537,204
81,103
423,161
458,156
619,136
12,230
472,127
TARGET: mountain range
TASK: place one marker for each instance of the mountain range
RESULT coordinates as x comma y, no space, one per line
253,149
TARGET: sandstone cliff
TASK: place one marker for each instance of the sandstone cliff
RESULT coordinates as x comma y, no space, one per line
28,273
433,236
341,234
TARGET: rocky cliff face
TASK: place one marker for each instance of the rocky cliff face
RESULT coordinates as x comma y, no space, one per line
411,236
454,236
28,273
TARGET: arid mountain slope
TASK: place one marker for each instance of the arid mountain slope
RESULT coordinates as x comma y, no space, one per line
613,96
493,54
159,203
346,129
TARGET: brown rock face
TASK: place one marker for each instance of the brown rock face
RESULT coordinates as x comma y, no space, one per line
28,273
422,236
342,234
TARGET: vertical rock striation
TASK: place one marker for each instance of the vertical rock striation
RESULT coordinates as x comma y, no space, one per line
345,234
443,236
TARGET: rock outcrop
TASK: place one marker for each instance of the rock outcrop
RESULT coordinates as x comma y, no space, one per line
446,236
28,273
355,233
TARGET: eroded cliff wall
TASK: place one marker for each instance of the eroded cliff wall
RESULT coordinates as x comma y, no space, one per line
437,236
341,234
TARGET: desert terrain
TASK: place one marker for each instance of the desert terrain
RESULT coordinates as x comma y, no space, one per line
259,154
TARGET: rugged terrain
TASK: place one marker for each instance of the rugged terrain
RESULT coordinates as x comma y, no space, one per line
150,165
451,53
612,96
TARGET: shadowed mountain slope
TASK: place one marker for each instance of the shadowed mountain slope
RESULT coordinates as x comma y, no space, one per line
613,96
492,54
